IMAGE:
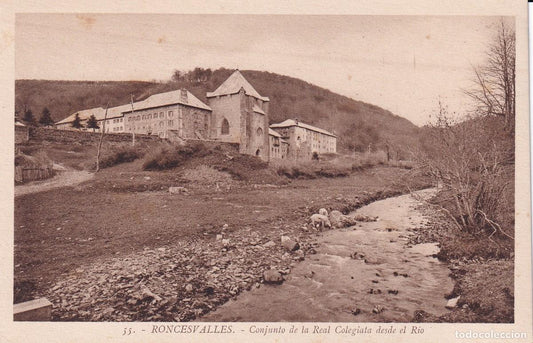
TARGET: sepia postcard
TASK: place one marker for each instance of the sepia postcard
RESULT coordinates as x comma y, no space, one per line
242,171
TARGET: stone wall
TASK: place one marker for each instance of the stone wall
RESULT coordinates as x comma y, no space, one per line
21,134
195,123
38,134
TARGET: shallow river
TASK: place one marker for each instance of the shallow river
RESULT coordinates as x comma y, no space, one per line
366,273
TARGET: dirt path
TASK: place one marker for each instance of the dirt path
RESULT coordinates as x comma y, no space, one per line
62,179
366,274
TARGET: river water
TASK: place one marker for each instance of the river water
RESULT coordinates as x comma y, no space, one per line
366,273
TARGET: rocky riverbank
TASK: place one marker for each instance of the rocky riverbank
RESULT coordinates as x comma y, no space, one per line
191,277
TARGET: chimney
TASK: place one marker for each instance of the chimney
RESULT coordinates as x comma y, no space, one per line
183,95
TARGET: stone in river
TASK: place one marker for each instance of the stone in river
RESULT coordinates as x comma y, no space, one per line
272,276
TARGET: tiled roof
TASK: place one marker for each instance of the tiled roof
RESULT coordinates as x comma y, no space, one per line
276,134
233,85
116,111
292,122
84,115
169,98
156,100
273,133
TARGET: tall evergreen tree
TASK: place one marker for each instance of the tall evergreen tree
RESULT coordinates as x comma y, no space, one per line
92,123
77,122
46,118
28,117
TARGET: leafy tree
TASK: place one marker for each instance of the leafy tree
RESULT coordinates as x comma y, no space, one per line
77,122
177,75
197,75
92,123
46,118
28,117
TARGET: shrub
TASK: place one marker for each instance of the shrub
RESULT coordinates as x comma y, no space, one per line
38,159
311,169
242,167
332,171
162,158
473,161
120,155
171,156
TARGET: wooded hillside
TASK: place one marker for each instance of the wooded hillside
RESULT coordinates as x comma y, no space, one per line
358,124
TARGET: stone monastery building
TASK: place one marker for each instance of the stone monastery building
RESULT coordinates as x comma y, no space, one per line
240,115
235,113
305,139
177,115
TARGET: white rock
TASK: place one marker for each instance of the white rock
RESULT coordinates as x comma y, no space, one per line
452,303
178,190
289,244
272,276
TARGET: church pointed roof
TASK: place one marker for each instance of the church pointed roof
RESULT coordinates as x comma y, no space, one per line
233,85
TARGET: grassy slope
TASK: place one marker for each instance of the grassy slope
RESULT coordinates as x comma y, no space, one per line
357,123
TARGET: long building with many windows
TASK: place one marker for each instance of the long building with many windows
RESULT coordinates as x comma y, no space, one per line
173,115
235,113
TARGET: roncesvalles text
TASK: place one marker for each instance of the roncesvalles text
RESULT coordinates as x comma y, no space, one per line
189,329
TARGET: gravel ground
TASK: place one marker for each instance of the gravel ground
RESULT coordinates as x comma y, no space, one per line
178,283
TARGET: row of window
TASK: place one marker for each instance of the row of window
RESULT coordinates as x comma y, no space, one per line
318,137
319,146
149,127
276,152
150,116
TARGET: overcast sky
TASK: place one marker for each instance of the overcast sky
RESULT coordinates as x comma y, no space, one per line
401,63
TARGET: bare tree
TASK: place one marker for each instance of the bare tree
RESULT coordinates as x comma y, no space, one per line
494,82
473,163
101,139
